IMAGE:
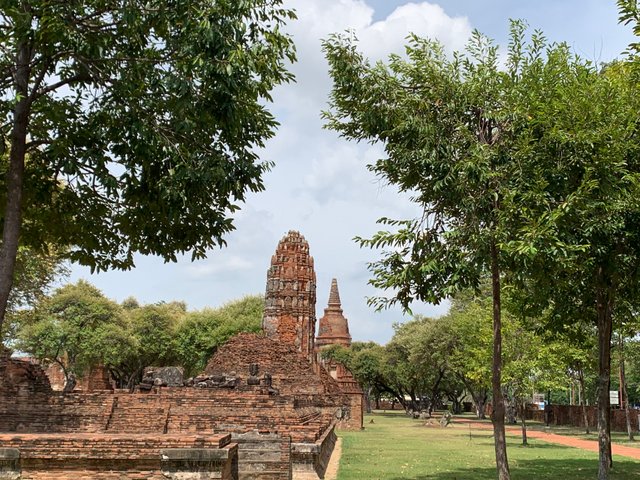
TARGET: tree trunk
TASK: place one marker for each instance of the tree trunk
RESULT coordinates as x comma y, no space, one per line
582,400
367,400
603,305
523,420
480,401
15,176
624,400
497,415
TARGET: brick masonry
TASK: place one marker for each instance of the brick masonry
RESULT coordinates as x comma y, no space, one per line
51,425
334,330
273,416
290,298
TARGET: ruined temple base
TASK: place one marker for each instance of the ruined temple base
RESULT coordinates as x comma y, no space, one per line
85,456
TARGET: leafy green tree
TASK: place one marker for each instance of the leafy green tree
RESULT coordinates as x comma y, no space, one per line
151,331
72,328
431,343
470,320
34,276
446,126
200,333
633,371
141,122
579,224
530,171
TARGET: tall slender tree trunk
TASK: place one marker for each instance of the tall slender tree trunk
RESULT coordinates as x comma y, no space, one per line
367,400
497,415
585,417
15,176
624,400
603,304
523,421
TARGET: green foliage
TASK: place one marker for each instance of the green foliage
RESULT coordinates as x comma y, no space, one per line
78,328
201,332
445,125
632,354
143,120
34,276
470,320
74,328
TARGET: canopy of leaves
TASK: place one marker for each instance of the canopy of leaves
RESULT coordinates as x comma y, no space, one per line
73,328
144,119
201,332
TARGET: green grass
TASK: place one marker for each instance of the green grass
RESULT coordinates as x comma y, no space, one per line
395,447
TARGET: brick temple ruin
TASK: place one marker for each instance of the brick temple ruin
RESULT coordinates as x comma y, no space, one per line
334,330
264,408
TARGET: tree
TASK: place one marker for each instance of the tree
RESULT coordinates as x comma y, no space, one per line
152,329
71,329
579,226
200,333
140,121
446,127
530,172
34,276
470,320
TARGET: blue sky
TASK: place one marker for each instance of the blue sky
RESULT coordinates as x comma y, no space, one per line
319,184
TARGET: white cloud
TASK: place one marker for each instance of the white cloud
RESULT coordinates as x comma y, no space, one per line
211,267
423,19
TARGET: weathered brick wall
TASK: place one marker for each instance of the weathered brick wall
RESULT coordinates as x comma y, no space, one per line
311,460
291,372
56,376
290,298
27,404
572,415
263,456
126,456
24,392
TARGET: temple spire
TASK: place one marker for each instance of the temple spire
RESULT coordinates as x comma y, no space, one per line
333,328
334,295
290,298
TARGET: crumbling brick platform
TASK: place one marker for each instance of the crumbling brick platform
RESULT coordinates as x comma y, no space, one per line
116,456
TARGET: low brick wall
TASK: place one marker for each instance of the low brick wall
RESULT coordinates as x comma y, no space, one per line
310,460
104,456
572,415
89,428
263,456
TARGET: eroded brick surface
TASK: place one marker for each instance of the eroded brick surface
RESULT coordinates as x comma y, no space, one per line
334,330
275,401
291,372
290,299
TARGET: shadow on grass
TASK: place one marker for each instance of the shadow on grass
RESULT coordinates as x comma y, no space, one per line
537,470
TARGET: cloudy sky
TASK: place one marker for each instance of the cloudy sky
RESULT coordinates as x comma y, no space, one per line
319,185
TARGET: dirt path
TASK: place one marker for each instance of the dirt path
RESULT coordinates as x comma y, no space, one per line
334,461
591,445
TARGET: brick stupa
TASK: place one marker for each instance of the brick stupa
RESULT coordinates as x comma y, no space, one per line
334,328
290,299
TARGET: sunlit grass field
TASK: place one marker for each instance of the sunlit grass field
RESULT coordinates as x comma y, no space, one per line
396,447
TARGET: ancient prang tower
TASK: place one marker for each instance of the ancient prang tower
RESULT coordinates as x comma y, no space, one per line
290,299
334,328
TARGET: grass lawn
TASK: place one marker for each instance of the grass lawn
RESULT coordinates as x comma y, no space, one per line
396,447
